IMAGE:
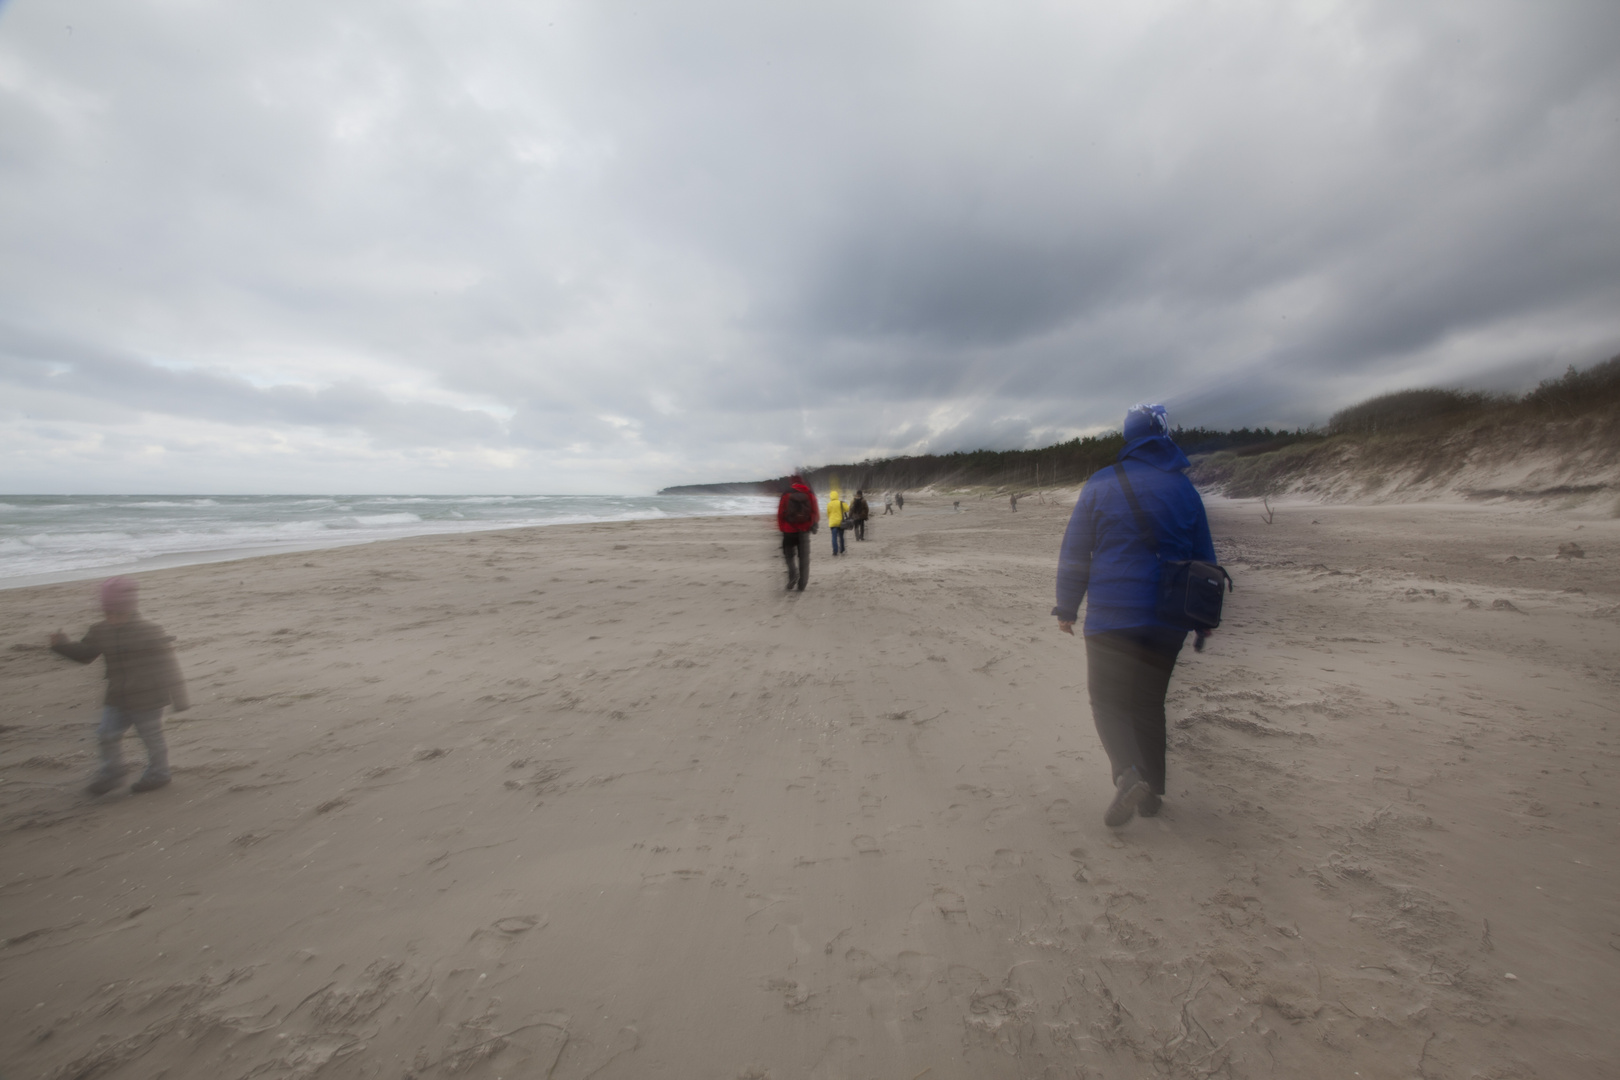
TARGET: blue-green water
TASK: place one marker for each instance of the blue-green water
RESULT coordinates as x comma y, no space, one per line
48,537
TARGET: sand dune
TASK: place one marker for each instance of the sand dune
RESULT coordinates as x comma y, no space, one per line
602,801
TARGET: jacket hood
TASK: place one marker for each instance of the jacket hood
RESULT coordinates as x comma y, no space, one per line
1158,451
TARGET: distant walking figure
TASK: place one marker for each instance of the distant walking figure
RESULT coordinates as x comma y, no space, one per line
899,500
858,513
143,678
1015,502
797,517
1107,561
888,502
837,512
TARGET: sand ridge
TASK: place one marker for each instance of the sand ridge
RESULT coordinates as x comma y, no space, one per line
604,801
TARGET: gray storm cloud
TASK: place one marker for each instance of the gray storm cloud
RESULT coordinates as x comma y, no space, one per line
575,246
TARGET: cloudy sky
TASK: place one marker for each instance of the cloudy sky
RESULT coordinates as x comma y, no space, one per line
440,246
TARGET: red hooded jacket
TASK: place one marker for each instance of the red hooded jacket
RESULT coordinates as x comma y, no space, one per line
781,511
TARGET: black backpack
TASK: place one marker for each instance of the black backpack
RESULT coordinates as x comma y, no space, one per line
1190,590
797,511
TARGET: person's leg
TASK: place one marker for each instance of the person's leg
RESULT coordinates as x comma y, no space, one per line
790,554
1111,677
804,559
1117,670
1157,654
149,725
109,742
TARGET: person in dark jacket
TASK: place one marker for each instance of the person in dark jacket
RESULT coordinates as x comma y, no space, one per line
797,516
1107,562
143,678
858,513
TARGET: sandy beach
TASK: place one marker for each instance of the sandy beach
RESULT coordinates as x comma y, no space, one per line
604,801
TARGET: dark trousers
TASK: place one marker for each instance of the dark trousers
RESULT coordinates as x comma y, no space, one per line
796,550
860,529
838,539
1128,672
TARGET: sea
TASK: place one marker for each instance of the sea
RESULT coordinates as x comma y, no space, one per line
45,538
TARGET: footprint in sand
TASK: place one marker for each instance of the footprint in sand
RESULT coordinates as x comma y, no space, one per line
1061,816
952,906
867,845
1006,859
795,995
898,990
999,816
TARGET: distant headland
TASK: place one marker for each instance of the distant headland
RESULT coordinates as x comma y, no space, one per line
1561,439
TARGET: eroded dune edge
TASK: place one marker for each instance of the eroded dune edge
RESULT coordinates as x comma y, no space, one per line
602,801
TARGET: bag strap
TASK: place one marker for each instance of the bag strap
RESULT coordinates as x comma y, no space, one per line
1136,508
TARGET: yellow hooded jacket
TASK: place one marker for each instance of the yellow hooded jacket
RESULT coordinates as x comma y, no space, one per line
836,509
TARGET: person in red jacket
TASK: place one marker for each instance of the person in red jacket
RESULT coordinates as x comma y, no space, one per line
797,516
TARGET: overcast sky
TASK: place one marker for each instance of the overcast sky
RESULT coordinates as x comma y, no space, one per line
445,246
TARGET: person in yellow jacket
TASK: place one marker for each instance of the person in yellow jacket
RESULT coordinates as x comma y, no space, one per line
837,514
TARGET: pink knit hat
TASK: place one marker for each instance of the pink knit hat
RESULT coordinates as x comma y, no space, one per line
119,594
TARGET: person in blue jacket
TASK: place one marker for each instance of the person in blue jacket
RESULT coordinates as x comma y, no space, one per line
1107,562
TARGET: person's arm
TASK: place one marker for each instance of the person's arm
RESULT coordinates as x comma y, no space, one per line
1074,560
83,651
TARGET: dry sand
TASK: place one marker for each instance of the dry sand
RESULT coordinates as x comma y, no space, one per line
602,801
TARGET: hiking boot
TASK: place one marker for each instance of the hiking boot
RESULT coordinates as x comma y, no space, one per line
1128,794
1150,805
149,783
104,783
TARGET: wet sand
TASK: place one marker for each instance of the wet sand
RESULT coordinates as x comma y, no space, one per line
603,801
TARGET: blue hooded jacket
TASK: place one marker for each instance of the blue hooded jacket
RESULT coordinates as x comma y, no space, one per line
1104,553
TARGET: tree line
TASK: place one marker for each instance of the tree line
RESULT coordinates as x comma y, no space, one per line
1071,463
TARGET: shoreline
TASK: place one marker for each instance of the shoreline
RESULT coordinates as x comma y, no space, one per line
319,542
1064,497
603,799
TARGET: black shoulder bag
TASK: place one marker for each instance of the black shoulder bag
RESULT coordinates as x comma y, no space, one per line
1191,590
